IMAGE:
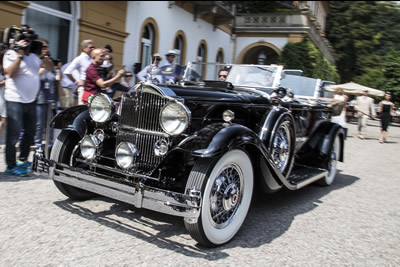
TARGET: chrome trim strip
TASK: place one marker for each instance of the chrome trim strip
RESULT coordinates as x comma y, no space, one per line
311,180
134,129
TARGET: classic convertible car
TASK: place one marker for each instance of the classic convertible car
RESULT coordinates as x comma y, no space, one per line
196,147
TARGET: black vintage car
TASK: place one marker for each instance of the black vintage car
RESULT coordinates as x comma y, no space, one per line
196,147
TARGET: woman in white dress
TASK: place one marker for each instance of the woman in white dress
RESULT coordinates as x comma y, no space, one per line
340,119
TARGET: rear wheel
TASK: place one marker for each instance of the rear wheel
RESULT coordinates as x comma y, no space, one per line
227,188
332,163
61,152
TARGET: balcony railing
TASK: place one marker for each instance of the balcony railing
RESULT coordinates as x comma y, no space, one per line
285,23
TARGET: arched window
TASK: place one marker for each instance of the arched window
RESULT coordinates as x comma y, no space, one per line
55,21
220,56
219,59
179,48
202,57
148,39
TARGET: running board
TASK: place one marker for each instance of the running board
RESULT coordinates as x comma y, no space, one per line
304,175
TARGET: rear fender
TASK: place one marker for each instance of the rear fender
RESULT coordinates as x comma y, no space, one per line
320,143
74,118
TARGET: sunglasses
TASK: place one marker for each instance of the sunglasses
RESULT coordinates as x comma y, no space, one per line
91,47
44,46
128,75
223,76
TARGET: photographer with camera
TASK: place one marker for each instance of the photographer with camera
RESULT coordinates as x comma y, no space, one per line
21,66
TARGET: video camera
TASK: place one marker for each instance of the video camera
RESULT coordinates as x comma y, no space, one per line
14,34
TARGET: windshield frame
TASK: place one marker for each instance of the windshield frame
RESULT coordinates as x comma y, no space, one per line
193,66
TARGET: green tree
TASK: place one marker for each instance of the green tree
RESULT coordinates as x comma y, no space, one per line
304,56
365,36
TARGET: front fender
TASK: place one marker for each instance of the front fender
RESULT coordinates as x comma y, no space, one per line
73,118
218,138
272,121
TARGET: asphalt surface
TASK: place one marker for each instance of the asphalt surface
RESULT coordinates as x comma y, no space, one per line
355,222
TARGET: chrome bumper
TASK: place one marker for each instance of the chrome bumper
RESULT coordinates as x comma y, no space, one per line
139,195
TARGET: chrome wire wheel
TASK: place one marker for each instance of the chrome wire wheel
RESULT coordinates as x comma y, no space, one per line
226,188
226,195
281,146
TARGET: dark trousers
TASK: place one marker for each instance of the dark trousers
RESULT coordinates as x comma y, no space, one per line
19,115
42,111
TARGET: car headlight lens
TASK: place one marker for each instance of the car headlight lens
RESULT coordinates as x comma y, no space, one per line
101,108
174,118
89,146
125,154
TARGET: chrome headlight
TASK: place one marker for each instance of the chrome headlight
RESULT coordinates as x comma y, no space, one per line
101,108
125,154
89,146
174,118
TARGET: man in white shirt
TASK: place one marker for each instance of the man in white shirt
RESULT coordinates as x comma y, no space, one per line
81,63
22,85
365,107
69,87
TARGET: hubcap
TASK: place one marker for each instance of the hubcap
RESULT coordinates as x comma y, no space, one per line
225,195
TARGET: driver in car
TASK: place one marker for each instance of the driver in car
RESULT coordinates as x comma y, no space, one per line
223,74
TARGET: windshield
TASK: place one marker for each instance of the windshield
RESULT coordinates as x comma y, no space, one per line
301,86
264,76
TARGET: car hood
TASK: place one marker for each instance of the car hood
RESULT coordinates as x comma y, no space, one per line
216,94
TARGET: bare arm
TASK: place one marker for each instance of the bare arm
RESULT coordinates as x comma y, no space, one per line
101,83
12,70
380,107
2,83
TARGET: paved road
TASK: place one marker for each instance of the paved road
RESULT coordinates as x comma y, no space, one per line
356,221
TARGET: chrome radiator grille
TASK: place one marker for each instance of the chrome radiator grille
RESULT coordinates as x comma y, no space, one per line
141,111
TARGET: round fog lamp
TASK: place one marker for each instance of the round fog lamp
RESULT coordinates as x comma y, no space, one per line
125,154
89,146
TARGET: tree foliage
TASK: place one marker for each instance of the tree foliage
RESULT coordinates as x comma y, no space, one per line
365,36
305,56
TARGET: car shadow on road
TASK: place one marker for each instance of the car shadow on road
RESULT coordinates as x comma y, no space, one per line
269,217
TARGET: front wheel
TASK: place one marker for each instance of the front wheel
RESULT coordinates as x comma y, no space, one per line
62,152
227,188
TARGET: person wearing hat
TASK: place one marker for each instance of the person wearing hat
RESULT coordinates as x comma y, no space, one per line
365,108
143,74
170,57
